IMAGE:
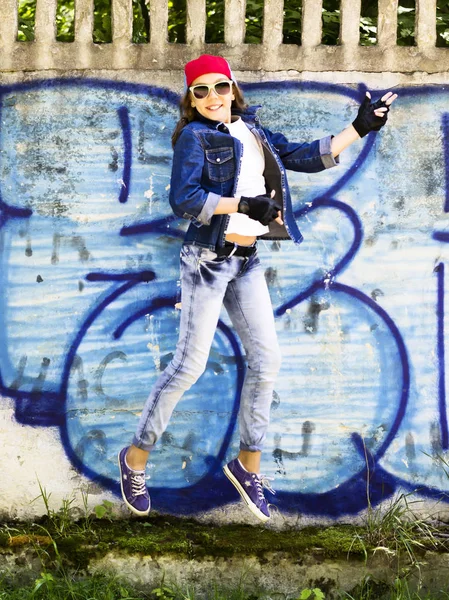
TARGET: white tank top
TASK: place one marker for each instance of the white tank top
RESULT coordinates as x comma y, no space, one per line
251,181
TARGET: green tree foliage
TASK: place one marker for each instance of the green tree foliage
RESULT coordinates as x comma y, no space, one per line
254,22
141,22
215,21
102,33
27,14
443,23
368,23
65,21
291,29
177,21
406,23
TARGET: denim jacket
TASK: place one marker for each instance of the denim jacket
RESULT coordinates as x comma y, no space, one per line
206,166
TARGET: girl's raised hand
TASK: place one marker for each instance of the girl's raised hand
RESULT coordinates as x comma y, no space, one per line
387,99
373,115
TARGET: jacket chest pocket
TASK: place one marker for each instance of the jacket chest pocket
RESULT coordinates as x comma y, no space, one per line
220,164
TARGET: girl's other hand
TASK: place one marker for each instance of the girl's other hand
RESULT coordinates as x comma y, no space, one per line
279,217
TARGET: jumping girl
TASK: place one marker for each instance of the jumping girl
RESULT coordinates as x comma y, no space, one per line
229,179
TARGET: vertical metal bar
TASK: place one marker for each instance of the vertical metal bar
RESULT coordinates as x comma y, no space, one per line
350,22
426,21
273,19
196,22
387,23
235,11
45,26
311,23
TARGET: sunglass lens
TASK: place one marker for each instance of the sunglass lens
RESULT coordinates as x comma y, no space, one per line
200,91
223,88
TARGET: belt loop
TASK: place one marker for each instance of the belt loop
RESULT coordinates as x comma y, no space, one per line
234,250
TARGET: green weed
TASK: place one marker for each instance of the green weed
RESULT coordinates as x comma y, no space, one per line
104,510
309,594
63,519
397,530
52,587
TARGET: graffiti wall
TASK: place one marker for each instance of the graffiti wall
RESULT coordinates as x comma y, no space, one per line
89,281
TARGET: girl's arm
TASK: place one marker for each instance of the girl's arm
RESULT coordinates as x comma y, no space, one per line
343,139
226,206
349,135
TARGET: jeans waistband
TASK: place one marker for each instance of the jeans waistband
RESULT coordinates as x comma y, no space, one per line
231,249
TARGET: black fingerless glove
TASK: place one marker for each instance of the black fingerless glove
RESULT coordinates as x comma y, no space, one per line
366,120
260,208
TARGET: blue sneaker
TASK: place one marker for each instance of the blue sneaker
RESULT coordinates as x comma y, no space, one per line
250,487
134,489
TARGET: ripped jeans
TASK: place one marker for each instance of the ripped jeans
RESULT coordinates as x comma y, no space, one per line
208,282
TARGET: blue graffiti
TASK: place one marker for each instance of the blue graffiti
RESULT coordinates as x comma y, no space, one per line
127,154
441,359
89,268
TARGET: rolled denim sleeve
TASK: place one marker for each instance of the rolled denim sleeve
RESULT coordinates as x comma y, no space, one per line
187,198
305,157
329,160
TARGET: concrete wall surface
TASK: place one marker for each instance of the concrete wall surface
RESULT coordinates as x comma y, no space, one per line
89,253
360,305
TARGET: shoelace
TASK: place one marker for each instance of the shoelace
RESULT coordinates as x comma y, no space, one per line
262,481
138,486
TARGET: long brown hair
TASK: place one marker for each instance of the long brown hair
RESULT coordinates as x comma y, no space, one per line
188,112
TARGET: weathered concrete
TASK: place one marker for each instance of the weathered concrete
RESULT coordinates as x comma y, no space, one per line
276,575
45,53
75,119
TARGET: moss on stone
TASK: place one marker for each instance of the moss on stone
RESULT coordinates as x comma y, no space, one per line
186,538
4,539
168,535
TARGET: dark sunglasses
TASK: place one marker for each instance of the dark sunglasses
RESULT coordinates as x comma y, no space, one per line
222,88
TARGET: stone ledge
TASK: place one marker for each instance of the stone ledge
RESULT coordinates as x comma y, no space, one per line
186,553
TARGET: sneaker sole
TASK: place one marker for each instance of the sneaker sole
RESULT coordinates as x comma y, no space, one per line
256,512
140,513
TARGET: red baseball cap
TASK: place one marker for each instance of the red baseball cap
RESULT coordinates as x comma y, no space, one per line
206,63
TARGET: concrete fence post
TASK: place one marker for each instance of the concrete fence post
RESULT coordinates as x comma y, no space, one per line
350,23
387,24
426,12
235,12
273,18
8,32
122,22
196,23
158,25
312,25
84,21
45,24
122,31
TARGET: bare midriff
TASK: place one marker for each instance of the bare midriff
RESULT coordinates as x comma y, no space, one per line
241,240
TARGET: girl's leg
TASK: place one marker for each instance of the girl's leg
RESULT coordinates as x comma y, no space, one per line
249,306
203,285
137,458
250,460
248,303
